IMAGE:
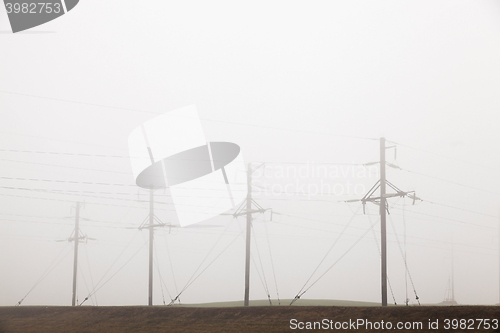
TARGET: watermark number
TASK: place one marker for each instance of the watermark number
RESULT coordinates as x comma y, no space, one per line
33,8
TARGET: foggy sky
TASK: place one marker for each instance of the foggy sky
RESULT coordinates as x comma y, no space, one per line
299,86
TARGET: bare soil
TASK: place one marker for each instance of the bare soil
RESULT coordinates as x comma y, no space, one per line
139,319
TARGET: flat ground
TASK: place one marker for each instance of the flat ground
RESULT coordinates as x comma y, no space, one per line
139,319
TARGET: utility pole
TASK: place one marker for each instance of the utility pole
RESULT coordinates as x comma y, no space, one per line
246,209
452,269
76,237
248,231
151,238
75,252
381,200
149,223
383,222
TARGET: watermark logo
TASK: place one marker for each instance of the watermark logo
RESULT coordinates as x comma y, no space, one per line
26,14
310,179
204,178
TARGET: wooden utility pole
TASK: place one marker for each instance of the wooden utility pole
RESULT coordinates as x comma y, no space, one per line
76,238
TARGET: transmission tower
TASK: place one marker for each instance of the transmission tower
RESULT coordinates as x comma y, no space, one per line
449,297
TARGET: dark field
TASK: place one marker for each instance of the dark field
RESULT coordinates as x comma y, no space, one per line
233,319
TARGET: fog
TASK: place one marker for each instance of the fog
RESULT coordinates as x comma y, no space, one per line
306,89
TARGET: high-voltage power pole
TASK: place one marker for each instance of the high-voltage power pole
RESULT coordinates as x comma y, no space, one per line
383,222
151,239
382,183
76,237
75,252
248,211
151,226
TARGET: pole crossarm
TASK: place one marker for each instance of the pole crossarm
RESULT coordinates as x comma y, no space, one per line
152,226
243,210
80,238
146,224
251,211
369,196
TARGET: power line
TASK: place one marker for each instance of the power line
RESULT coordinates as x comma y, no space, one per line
128,157
67,181
73,194
205,119
380,255
449,219
135,187
132,200
61,153
75,102
403,255
57,223
67,192
87,194
64,218
451,182
272,264
57,260
194,277
63,166
92,196
263,278
447,157
62,200
459,208
389,233
87,183
302,291
112,276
